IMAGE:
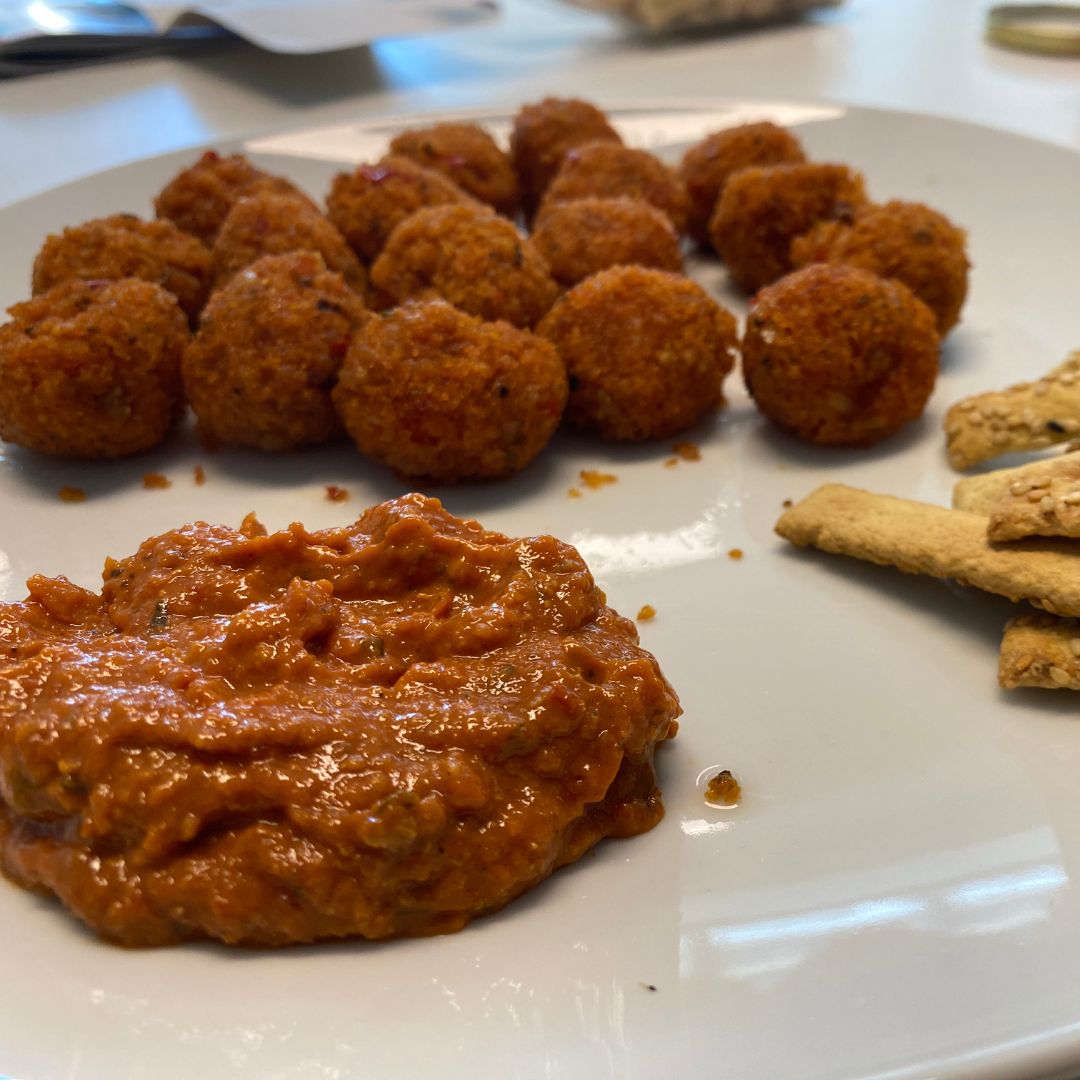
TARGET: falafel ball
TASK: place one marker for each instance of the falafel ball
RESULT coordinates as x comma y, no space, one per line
763,208
585,236
469,156
91,369
646,352
369,202
260,370
438,394
469,256
838,356
199,198
605,170
273,224
902,240
123,246
707,165
541,135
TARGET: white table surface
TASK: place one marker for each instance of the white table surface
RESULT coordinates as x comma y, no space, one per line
923,55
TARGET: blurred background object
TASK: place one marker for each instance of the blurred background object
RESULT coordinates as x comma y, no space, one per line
1043,28
48,33
659,15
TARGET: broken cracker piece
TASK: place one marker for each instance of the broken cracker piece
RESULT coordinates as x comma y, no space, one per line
1041,651
923,539
1028,416
1038,499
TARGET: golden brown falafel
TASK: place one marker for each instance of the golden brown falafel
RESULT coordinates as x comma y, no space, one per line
838,356
585,236
368,203
469,256
707,165
260,370
273,224
763,208
607,170
123,246
199,198
469,156
646,352
543,132
438,394
91,369
903,240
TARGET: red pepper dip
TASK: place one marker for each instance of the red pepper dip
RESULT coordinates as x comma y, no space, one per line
378,730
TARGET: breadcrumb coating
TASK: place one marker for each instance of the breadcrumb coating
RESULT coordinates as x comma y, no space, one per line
646,352
707,165
469,156
91,369
763,208
469,256
437,394
903,240
368,203
541,136
268,351
123,246
586,236
838,356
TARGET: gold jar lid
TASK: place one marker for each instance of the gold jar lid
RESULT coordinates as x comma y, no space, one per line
1044,28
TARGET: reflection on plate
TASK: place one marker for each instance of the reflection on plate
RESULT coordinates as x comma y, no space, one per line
893,894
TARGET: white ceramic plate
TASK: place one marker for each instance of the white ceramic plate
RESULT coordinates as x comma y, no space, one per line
894,896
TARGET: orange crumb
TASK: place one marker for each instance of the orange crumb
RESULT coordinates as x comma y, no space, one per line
200,475
335,493
646,613
787,504
593,479
671,463
574,493
723,789
735,553
688,451
155,481
71,494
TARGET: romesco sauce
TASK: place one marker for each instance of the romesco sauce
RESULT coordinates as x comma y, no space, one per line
376,730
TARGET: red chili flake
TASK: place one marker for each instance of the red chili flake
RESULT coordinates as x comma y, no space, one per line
335,493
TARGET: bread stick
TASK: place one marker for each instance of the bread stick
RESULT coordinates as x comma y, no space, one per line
923,539
1028,416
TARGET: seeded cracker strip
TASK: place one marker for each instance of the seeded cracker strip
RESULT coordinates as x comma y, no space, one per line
1028,416
1040,650
1039,499
923,539
979,494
